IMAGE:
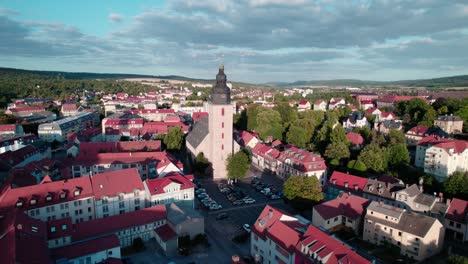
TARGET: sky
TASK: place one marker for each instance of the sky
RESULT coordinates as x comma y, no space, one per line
257,40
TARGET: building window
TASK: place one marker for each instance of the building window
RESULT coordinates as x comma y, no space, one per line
222,146
121,205
52,229
336,219
105,208
399,233
222,124
186,195
451,223
222,111
222,135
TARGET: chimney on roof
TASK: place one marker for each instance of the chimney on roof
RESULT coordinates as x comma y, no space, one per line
448,202
421,184
270,213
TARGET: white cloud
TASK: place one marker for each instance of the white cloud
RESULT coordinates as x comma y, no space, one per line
256,3
116,18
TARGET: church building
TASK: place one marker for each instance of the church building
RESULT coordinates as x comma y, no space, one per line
212,135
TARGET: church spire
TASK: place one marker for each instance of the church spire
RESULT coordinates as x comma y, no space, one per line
221,94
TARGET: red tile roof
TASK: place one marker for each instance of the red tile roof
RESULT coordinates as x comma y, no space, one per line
398,98
327,248
303,102
319,102
302,159
7,128
418,130
125,158
112,224
151,111
172,118
156,186
86,247
165,232
69,107
162,127
348,205
88,148
133,121
58,191
355,138
371,111
196,116
458,211
27,109
265,151
458,146
114,182
387,114
340,180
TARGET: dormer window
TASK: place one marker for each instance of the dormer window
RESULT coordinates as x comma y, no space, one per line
334,182
19,203
77,192
52,229
33,201
63,195
346,185
48,198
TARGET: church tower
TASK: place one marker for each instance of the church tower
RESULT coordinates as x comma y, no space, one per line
220,115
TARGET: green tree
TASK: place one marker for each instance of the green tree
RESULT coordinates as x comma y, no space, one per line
302,188
442,110
288,114
377,138
396,137
357,165
237,165
374,157
174,138
428,118
457,259
201,163
269,124
337,151
252,111
338,135
317,116
308,124
398,154
457,185
297,136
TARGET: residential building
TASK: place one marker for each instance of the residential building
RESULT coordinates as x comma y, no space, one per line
148,164
450,124
51,200
385,126
58,130
21,156
11,130
213,134
336,103
442,157
303,105
185,220
69,110
366,104
265,158
413,199
343,182
151,115
127,226
246,139
418,236
172,188
373,112
297,161
121,124
418,132
320,105
356,119
118,192
277,237
456,220
388,101
346,210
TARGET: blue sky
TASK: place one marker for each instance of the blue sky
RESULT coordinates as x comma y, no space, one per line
257,40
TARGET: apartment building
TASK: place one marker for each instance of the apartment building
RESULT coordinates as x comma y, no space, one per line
320,105
118,192
456,220
356,119
172,188
49,200
11,130
442,157
148,164
418,236
344,182
277,237
450,124
58,130
346,210
297,161
265,158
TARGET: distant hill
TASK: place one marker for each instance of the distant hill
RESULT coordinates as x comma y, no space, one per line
453,81
88,75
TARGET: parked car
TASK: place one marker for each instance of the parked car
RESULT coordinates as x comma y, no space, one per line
275,197
238,202
222,216
249,200
201,190
247,228
215,207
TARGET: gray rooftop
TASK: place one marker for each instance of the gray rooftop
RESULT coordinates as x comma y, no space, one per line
415,224
199,131
178,213
425,199
385,209
449,118
381,189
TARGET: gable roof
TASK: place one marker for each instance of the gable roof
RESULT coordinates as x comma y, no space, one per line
347,182
112,224
86,247
199,131
345,204
197,116
458,211
418,130
157,185
114,182
165,232
69,107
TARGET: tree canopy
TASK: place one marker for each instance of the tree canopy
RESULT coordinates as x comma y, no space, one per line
337,151
297,136
237,165
457,185
174,138
302,188
374,157
268,123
